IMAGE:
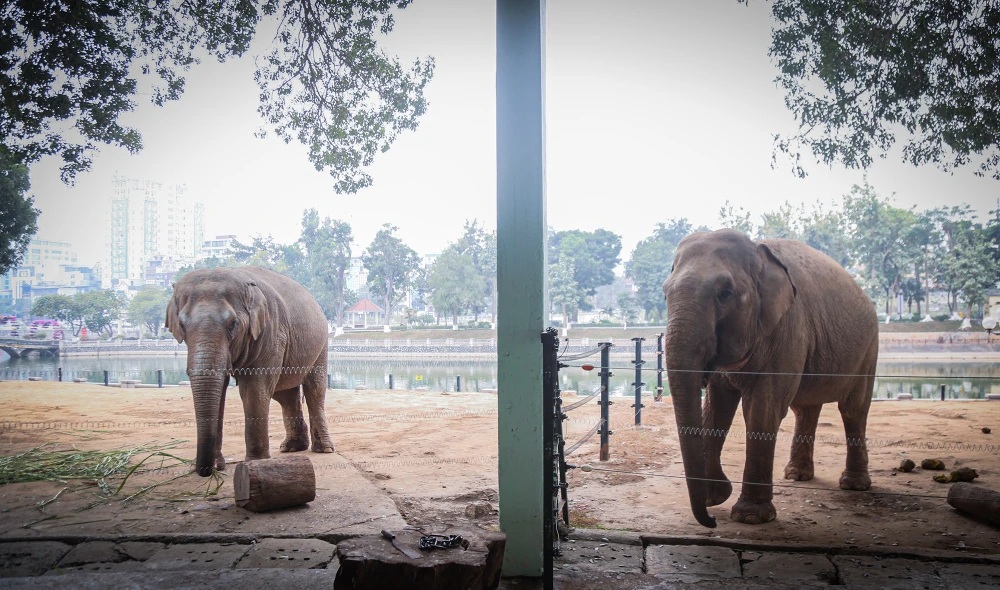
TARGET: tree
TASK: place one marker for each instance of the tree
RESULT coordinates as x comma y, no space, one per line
782,223
18,217
390,264
148,308
489,272
878,239
456,282
826,231
100,309
628,311
476,243
651,260
738,220
328,252
975,268
857,74
594,256
325,82
564,292
60,307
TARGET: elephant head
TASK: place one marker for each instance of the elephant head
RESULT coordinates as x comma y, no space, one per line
724,295
220,313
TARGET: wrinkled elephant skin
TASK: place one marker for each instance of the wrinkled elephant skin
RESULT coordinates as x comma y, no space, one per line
772,325
270,334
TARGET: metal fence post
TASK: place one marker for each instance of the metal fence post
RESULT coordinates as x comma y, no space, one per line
942,391
329,381
659,368
159,378
105,378
458,383
605,401
550,456
60,373
390,381
638,362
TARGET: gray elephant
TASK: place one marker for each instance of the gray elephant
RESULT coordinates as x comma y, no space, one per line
773,325
270,333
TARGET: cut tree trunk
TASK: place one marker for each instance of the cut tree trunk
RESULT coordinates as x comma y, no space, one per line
270,484
372,562
976,500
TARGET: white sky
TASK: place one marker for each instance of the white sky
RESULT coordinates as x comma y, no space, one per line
655,110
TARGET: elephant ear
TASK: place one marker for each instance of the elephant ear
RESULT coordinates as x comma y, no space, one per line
775,287
173,322
256,309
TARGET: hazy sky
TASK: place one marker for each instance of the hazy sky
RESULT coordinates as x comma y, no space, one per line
655,110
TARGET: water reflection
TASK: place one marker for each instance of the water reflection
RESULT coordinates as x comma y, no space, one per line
920,379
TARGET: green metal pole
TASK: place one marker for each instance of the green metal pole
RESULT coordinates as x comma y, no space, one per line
521,295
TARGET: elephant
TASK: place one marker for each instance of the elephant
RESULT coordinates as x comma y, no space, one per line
775,325
267,331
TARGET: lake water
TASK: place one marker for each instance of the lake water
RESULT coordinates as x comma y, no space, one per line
921,379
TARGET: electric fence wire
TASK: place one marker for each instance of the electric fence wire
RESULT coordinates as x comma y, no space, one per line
596,392
722,372
585,438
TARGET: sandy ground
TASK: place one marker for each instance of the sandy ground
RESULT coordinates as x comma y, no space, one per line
428,455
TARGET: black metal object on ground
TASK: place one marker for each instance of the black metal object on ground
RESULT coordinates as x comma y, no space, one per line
606,402
550,456
659,368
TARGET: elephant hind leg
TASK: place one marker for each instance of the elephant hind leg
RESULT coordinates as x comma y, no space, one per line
314,388
800,464
296,432
854,411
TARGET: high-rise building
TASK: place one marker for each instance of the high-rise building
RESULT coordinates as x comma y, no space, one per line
48,268
148,220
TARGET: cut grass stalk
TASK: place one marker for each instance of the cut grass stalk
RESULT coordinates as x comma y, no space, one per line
44,464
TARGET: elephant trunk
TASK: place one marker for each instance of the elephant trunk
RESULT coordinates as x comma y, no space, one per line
208,383
688,353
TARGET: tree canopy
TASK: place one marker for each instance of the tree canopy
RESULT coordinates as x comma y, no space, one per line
857,75
68,72
18,216
148,307
593,255
390,264
650,262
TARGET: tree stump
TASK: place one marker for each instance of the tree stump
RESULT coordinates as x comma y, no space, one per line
371,562
976,500
270,484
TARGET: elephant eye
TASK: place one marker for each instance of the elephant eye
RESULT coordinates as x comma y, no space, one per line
233,324
725,295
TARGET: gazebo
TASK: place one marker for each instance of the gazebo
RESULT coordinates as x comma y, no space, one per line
364,313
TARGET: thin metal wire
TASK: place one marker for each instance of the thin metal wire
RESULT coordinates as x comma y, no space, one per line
580,355
718,372
587,436
575,405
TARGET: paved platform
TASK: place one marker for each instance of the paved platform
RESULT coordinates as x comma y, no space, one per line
589,561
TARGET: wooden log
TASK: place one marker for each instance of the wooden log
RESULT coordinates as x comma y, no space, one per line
976,500
371,562
270,484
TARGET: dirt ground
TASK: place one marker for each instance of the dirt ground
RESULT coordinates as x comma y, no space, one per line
430,454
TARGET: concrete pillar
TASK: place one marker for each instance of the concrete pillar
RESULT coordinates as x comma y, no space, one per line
521,265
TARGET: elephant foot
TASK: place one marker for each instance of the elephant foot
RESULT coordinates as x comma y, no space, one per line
292,445
753,512
220,463
718,491
799,471
854,480
322,446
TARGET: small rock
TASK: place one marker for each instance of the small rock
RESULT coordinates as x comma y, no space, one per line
906,466
986,430
932,464
476,510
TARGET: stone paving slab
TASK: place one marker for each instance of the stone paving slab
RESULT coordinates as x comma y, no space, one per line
890,574
599,556
691,561
226,579
197,556
800,568
30,559
138,550
91,552
968,576
289,554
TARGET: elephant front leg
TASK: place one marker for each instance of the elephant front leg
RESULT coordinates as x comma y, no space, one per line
800,464
256,392
721,402
763,411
